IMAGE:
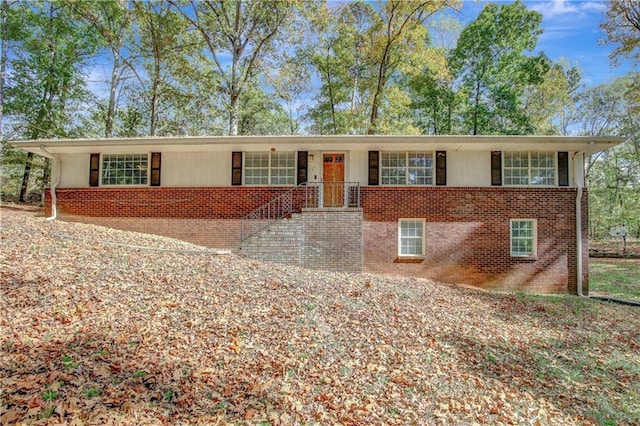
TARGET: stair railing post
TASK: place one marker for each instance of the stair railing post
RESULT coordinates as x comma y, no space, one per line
345,194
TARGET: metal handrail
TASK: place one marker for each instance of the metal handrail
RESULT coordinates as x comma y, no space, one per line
316,195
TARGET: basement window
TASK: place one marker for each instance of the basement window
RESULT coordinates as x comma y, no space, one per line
411,238
125,169
523,237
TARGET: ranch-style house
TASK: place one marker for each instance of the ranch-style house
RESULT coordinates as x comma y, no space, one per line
499,212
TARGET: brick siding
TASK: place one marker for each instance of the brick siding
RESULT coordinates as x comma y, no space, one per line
184,203
467,235
467,229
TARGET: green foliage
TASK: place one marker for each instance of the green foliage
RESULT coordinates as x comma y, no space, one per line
493,71
238,38
613,175
550,105
46,84
622,27
110,22
365,54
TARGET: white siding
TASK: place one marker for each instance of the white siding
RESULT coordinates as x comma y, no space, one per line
468,168
358,167
75,171
194,169
213,168
314,171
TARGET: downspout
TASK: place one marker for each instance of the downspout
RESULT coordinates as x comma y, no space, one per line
579,185
58,163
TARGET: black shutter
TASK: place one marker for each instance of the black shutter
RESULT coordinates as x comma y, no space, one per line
496,168
236,168
156,161
563,169
374,167
441,167
94,170
302,167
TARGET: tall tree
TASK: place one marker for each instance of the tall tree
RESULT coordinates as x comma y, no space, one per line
46,81
163,50
434,103
622,27
613,175
490,62
112,21
550,104
4,35
400,43
244,31
290,83
367,52
342,58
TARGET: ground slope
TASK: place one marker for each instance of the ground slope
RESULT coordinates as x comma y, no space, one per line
96,329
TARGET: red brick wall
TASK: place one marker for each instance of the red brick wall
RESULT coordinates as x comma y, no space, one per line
467,229
185,203
467,235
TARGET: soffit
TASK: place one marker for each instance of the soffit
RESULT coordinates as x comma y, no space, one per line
321,143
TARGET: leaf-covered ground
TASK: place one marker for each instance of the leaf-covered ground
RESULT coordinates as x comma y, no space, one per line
95,332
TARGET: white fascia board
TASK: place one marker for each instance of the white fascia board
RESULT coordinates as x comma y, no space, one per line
324,143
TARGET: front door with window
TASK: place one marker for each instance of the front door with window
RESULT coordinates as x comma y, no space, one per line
333,177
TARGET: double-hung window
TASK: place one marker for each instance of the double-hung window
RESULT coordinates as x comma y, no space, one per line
523,168
125,169
406,168
411,237
523,237
269,168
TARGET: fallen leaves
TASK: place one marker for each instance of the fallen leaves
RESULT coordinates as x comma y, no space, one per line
103,333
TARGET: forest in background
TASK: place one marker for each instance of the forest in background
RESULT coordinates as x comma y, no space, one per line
281,67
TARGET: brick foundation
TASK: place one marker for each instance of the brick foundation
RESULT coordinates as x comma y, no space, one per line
467,235
467,229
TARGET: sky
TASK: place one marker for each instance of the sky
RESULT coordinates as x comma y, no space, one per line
571,31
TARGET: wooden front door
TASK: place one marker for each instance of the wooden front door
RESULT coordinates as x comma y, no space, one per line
333,177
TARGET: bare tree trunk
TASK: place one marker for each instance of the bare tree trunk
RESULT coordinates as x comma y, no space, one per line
375,105
475,109
3,55
155,98
25,177
113,92
233,115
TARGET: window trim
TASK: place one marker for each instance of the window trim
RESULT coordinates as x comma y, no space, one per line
381,168
423,249
125,185
294,168
534,245
529,168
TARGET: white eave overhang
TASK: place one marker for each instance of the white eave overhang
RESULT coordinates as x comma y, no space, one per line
588,144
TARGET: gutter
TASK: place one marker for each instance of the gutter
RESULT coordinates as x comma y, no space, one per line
580,186
54,185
